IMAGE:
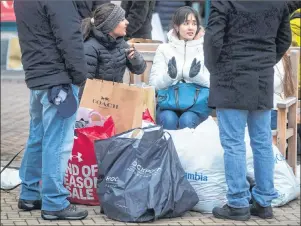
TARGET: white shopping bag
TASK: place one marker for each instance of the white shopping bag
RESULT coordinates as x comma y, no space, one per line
202,158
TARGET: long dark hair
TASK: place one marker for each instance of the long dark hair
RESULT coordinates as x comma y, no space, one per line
99,15
288,83
181,15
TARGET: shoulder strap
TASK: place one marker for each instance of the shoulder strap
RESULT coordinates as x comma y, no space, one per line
296,15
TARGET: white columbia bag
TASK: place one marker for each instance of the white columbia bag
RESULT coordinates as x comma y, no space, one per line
201,156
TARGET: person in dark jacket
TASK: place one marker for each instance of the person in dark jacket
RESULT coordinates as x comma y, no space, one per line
52,55
139,14
107,53
166,9
293,6
85,8
242,45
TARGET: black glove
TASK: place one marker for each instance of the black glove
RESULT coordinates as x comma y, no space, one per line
172,68
195,68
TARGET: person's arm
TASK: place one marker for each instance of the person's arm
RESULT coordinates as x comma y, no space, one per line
134,60
136,16
278,76
284,35
65,24
214,33
159,76
91,59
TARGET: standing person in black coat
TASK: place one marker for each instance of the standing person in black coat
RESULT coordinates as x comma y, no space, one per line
85,8
243,42
52,55
139,14
293,6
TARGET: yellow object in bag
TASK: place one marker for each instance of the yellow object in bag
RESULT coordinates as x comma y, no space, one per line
295,27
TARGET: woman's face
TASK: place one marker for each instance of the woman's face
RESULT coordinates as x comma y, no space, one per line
188,29
120,30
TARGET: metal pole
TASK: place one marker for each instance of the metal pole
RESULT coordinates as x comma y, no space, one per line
207,11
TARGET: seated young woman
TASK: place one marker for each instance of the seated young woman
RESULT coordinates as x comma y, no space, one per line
180,60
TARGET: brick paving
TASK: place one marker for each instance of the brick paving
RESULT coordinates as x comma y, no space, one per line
14,132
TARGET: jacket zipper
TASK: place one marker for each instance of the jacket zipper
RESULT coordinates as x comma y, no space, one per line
184,61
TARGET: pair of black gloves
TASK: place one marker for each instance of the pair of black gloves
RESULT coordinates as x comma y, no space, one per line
194,68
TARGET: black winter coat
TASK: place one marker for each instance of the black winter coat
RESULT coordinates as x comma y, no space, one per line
243,42
85,8
51,43
139,14
293,6
106,58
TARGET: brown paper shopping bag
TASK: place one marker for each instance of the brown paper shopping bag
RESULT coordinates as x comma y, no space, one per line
150,100
123,102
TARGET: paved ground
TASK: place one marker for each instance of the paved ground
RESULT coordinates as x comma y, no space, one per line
14,116
287,215
14,131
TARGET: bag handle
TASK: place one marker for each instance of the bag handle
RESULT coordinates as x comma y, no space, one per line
176,90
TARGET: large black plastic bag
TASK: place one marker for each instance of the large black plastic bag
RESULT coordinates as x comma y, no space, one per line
141,179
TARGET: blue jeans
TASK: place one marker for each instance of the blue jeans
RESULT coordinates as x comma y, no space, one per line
47,151
172,120
232,124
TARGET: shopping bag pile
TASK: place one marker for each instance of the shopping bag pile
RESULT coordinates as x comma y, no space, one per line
106,108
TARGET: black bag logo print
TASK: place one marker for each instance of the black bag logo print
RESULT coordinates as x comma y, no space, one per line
104,102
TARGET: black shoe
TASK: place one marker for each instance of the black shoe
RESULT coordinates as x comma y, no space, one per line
29,205
227,212
69,213
262,212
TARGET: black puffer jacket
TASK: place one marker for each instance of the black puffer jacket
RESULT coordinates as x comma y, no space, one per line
139,14
51,43
242,43
106,58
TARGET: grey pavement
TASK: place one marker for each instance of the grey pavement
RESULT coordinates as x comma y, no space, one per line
14,132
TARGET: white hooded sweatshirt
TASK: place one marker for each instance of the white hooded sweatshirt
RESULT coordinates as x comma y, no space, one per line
184,53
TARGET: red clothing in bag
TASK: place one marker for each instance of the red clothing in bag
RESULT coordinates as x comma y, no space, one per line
82,171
